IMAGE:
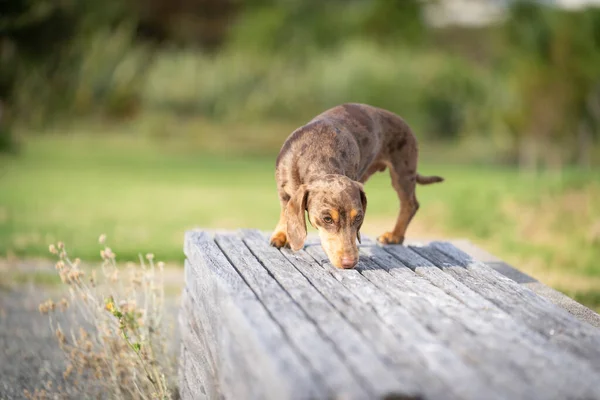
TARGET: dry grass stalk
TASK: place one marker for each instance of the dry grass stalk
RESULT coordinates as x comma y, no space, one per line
120,348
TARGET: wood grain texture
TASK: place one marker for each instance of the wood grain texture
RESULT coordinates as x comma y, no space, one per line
418,322
192,385
578,310
183,385
415,351
309,340
196,347
370,368
253,358
551,321
529,361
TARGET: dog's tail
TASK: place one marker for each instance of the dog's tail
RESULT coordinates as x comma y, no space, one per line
426,180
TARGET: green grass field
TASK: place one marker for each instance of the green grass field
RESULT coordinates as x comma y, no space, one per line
145,193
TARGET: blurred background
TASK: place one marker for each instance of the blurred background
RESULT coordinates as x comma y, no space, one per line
141,119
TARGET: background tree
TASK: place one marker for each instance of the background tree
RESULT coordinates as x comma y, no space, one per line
553,69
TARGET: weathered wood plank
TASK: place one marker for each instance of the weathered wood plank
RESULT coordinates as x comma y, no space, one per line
493,262
553,322
309,341
511,343
428,322
197,314
578,310
416,353
254,358
413,298
197,347
181,384
184,391
453,287
464,294
373,366
231,354
190,375
213,339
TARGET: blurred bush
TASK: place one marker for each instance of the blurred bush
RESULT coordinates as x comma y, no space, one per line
553,65
296,26
8,142
100,74
452,100
109,73
528,84
68,57
438,94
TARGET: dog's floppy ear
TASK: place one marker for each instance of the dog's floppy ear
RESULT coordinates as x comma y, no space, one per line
296,222
363,200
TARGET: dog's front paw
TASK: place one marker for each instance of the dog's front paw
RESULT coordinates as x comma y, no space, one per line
279,240
390,238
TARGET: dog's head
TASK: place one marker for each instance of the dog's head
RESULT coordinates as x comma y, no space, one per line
336,206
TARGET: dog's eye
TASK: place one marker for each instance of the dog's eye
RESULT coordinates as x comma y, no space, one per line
358,219
328,220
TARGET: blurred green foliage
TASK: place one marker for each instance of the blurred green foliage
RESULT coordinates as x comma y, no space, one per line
535,93
554,68
67,56
295,27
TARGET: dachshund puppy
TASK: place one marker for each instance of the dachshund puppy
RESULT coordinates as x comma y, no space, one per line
321,169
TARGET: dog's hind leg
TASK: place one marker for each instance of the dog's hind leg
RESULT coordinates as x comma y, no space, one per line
404,179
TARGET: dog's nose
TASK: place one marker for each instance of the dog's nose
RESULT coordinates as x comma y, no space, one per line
348,262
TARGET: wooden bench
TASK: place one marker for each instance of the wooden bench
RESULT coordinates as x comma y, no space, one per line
416,322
